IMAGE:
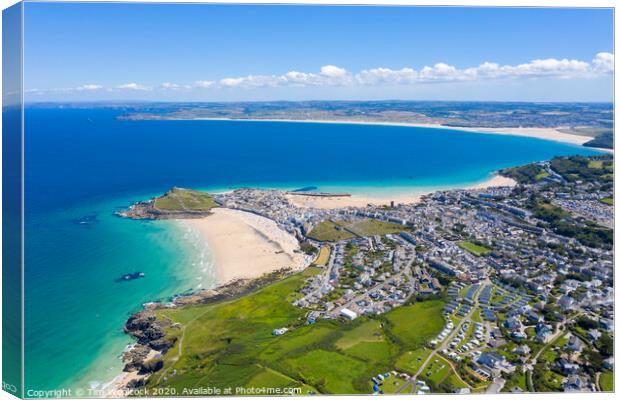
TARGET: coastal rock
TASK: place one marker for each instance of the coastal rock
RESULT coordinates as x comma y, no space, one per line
136,383
151,366
164,344
149,331
140,321
135,357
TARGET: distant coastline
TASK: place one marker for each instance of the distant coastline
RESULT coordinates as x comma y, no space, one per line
539,133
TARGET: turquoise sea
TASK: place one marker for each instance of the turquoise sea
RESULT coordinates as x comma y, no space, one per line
81,165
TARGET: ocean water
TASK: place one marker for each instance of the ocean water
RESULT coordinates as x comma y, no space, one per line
81,165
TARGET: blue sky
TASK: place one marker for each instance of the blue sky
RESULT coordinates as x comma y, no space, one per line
227,52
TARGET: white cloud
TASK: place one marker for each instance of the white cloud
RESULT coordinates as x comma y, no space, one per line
334,76
170,86
329,75
204,84
132,86
333,72
377,76
89,86
604,63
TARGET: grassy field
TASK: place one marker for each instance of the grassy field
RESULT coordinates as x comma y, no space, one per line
185,199
455,381
270,378
391,384
474,249
436,371
340,230
415,325
329,231
229,344
323,257
331,371
411,361
367,342
608,200
607,381
371,227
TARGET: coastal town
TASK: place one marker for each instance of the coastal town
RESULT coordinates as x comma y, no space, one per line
522,276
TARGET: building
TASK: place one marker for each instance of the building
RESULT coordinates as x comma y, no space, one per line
574,383
348,314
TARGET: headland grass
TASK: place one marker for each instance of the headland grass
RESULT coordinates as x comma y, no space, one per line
185,200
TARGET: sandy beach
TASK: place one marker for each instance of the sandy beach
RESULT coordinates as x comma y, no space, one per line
329,202
540,133
246,245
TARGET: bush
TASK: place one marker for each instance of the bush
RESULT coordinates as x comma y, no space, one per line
307,248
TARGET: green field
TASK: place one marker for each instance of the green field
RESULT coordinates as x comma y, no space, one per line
415,325
229,344
329,231
607,381
474,249
371,227
330,371
411,361
608,200
391,384
270,378
367,341
185,199
438,371
341,230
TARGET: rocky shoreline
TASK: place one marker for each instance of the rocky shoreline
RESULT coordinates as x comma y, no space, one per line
146,356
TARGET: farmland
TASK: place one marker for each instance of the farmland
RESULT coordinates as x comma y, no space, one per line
230,343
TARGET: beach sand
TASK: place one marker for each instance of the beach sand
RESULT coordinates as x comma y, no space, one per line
540,133
329,202
246,245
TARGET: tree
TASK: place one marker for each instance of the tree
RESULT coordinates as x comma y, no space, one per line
605,345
